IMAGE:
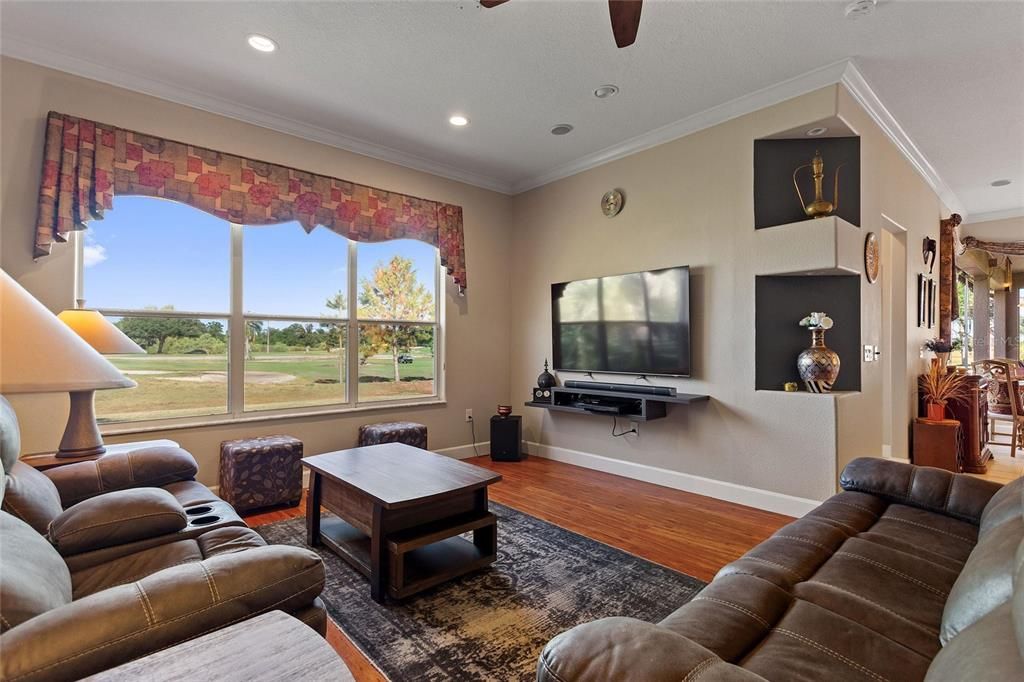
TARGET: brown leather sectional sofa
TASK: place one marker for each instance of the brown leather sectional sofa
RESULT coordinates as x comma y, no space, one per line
103,562
910,573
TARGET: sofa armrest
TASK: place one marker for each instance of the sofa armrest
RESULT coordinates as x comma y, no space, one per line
958,495
116,518
122,623
630,649
144,467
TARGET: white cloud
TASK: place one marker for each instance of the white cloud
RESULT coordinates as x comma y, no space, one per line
93,254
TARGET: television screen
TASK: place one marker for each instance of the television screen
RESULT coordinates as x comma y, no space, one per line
628,324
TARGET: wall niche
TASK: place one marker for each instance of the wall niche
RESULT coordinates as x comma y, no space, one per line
781,302
775,198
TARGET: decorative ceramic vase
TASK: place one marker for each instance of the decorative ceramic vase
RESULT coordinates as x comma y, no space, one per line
546,378
819,364
943,359
504,410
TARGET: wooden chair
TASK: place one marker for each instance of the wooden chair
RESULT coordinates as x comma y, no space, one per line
1004,391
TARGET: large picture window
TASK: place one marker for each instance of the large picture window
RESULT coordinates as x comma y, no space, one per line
249,319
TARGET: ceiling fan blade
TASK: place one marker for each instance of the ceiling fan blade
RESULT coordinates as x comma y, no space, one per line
625,16
492,3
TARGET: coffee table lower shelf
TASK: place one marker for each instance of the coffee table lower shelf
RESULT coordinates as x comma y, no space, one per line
419,558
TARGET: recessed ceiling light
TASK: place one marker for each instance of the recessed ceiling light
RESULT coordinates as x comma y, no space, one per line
261,43
606,91
815,132
458,120
1000,183
860,8
561,129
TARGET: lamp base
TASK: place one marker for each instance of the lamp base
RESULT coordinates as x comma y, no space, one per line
81,435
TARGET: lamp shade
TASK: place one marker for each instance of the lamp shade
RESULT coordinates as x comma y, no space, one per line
98,332
41,354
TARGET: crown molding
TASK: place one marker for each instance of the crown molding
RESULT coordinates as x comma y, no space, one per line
844,72
54,59
995,215
858,87
830,74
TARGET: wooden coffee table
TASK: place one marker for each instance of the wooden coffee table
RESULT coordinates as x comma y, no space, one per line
398,512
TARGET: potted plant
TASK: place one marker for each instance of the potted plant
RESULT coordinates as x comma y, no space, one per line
939,387
942,349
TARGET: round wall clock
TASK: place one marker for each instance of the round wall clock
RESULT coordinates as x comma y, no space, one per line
872,257
611,203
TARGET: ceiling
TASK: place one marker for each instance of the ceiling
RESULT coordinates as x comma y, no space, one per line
382,78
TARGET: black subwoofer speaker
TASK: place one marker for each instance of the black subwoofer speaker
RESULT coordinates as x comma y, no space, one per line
507,439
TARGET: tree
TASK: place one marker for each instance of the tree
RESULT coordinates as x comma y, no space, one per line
150,331
393,293
253,330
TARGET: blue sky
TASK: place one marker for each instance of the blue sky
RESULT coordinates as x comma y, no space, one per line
151,252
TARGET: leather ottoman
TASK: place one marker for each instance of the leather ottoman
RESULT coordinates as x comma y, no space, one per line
261,472
409,433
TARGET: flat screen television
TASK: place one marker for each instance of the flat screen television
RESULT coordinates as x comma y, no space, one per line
638,323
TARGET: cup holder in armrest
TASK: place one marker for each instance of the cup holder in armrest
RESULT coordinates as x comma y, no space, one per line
204,520
197,511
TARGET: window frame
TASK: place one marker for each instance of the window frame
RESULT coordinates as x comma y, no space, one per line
235,320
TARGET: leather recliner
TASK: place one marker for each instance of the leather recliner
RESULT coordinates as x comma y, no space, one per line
910,573
123,570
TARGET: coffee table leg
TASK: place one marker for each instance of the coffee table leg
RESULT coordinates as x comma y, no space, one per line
313,510
378,557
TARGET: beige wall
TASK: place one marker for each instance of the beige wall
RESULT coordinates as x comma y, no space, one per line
476,325
689,201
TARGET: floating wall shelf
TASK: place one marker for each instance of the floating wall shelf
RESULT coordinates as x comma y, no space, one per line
825,246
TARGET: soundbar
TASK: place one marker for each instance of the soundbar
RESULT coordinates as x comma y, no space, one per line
622,388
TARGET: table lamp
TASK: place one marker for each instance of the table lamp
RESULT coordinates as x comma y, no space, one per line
41,354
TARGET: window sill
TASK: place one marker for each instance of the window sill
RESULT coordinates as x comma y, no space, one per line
123,429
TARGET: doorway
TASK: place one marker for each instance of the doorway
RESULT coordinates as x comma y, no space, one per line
896,410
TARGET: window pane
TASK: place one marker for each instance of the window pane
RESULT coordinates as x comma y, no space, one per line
294,364
150,253
183,374
288,272
395,361
396,280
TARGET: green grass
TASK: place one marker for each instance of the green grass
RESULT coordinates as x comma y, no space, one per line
164,394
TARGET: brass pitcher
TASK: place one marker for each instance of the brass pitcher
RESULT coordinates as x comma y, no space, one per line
819,208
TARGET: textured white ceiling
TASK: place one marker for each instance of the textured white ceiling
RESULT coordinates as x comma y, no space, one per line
390,73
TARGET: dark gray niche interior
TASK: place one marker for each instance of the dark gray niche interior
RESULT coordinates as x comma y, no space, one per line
781,302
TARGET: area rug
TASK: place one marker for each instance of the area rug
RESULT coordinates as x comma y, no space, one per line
492,624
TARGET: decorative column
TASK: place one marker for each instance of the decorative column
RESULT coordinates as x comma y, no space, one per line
980,314
1002,332
947,283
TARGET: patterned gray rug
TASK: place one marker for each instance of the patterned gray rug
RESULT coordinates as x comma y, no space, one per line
492,625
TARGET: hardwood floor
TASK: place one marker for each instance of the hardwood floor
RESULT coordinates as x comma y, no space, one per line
689,533
1003,468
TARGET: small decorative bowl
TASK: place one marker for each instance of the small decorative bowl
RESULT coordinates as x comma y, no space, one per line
791,387
504,410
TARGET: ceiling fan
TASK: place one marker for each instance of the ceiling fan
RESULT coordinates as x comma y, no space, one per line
625,16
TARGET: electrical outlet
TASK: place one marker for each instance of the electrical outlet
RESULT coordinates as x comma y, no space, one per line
469,415
869,354
635,426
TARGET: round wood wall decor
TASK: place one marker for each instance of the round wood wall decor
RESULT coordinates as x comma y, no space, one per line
872,257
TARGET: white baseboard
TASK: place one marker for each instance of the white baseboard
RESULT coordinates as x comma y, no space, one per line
886,451
722,490
466,451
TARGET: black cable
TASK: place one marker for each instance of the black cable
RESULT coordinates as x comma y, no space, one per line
472,431
615,426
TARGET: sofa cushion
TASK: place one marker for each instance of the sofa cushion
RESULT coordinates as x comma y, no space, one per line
146,466
811,644
1005,505
987,651
35,578
116,518
986,581
31,496
928,531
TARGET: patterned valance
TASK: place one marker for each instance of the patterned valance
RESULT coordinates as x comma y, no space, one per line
86,164
1014,248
